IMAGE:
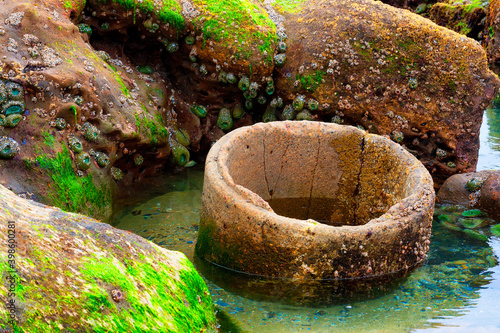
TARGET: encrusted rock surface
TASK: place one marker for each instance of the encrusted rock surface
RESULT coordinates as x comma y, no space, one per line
310,200
71,273
394,73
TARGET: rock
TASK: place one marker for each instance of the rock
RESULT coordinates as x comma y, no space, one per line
394,73
74,273
463,189
466,18
492,35
475,189
490,195
310,200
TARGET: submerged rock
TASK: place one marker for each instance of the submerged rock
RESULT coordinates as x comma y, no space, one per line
71,272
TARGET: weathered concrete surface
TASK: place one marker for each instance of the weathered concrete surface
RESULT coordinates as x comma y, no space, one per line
268,186
475,189
76,274
394,73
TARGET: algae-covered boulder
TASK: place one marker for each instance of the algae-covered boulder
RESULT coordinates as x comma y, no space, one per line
394,73
68,273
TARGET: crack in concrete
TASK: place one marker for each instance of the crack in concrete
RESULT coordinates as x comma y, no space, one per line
357,190
314,176
265,168
281,171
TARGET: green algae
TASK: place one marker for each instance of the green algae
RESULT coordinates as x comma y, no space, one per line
152,127
495,230
311,82
167,11
472,213
289,6
249,21
70,192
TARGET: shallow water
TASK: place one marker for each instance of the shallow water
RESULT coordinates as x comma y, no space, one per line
456,290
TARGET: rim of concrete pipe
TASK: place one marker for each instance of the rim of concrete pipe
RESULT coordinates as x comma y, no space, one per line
388,231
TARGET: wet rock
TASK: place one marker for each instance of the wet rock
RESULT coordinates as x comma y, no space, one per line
463,189
458,190
467,18
490,195
75,272
394,73
492,35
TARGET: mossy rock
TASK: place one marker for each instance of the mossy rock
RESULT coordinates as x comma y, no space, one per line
495,230
75,273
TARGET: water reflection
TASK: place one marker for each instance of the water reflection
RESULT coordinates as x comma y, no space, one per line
489,150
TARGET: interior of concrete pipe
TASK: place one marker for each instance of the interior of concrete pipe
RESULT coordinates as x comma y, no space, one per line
305,176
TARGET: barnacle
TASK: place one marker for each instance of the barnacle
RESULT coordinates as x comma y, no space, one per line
238,111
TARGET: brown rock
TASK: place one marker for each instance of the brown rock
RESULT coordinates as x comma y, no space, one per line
394,73
490,195
455,189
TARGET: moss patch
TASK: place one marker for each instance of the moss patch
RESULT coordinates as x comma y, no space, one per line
70,192
239,22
